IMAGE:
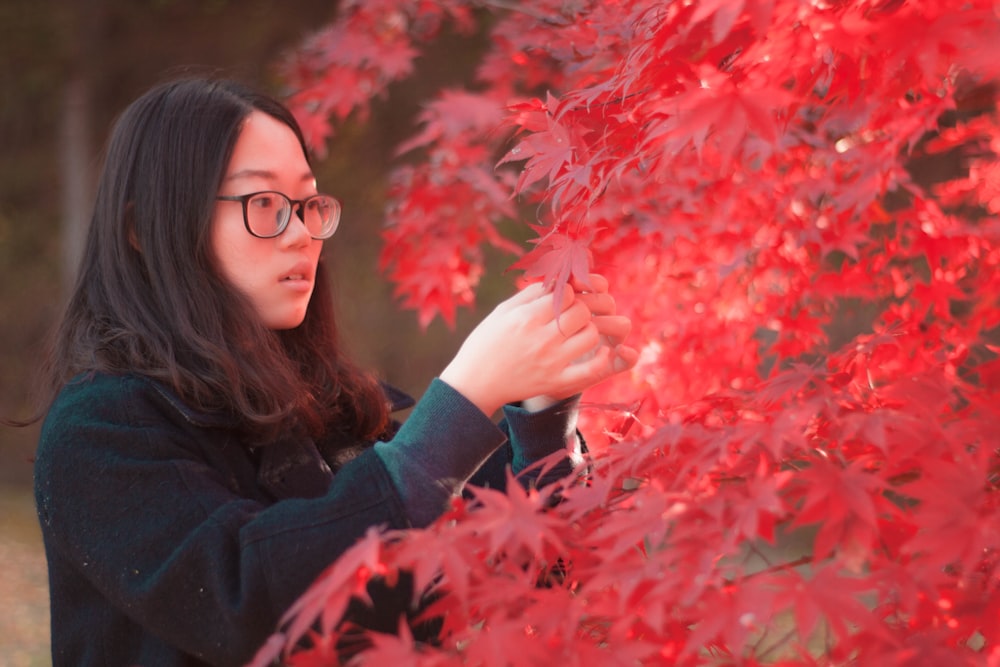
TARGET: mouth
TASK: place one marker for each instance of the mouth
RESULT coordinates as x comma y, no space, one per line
299,273
297,281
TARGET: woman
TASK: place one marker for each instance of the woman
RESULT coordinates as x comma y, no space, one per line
209,449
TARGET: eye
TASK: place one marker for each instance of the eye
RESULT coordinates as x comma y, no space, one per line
264,201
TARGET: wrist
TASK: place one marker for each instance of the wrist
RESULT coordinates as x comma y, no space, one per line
477,393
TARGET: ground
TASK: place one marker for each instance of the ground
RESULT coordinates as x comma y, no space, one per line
24,627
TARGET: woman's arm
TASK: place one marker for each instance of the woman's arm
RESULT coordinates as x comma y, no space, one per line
543,425
438,448
534,360
162,520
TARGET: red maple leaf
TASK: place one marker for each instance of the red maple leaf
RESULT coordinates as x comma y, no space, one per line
731,614
720,107
316,129
548,152
787,384
451,114
750,167
840,499
518,521
557,258
724,14
828,594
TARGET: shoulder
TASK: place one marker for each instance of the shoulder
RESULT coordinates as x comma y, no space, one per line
131,398
93,405
94,421
96,396
99,407
100,422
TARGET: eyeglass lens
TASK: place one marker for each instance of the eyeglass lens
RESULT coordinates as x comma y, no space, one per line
268,213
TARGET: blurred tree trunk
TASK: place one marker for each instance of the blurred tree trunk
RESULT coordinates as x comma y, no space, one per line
75,147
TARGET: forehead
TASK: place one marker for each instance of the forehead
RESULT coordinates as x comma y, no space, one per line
267,148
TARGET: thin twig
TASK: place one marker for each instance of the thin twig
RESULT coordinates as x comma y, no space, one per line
520,8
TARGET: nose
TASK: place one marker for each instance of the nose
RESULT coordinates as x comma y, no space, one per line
296,233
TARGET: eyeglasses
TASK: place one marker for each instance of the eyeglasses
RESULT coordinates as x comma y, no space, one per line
266,214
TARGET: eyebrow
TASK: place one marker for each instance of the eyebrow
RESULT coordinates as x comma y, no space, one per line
264,173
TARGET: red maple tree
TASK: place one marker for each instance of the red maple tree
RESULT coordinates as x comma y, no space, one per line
796,202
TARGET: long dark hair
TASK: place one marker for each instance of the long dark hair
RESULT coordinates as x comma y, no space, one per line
150,299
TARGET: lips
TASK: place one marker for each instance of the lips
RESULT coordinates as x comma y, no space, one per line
303,271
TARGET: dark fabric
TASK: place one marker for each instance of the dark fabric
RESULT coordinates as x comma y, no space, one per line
170,542
536,435
429,474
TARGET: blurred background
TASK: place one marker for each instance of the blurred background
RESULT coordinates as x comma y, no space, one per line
67,68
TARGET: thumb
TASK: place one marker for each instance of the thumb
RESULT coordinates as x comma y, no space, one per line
530,293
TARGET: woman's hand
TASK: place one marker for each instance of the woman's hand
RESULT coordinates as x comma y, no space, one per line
522,350
614,329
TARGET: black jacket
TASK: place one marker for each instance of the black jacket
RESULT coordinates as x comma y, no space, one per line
170,542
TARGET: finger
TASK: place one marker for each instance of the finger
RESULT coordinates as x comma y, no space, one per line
615,327
598,303
568,297
625,358
583,374
573,319
542,309
582,344
604,363
595,283
532,292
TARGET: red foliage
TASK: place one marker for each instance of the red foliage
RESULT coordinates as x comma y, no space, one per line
796,204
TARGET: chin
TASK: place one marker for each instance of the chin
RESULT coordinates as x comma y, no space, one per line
289,326
286,323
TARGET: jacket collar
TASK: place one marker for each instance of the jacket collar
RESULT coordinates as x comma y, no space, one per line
398,399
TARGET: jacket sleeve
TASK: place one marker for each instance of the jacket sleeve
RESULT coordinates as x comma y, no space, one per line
537,435
533,436
160,532
443,442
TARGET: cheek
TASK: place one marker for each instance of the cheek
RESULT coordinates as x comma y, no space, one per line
234,255
224,255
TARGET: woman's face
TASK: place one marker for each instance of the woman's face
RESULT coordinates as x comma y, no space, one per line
277,274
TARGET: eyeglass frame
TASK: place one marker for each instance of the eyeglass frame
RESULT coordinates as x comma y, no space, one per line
295,206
